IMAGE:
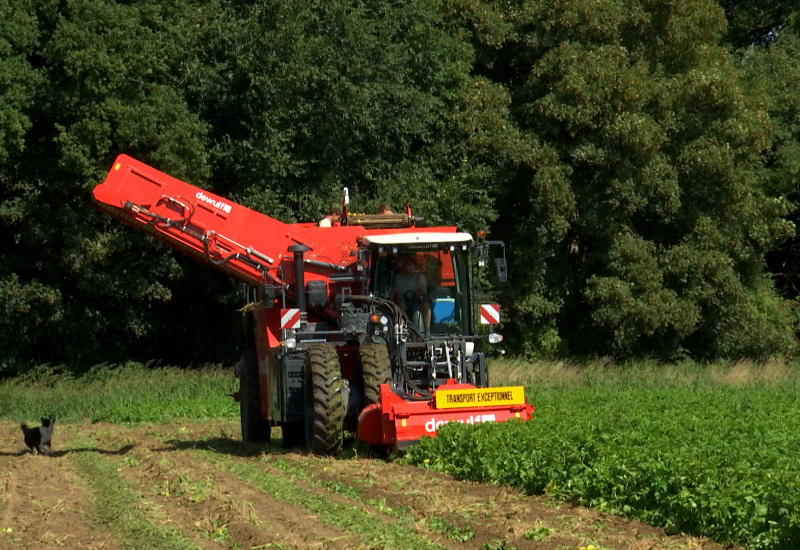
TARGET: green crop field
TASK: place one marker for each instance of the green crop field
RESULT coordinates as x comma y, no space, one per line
710,452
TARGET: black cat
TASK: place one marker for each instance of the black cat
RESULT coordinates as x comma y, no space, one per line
39,437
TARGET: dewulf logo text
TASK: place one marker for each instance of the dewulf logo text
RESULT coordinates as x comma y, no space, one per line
432,425
219,205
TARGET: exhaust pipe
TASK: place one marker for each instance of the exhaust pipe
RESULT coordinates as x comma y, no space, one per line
299,275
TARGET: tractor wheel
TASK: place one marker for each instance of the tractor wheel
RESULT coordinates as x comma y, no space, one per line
254,428
376,369
324,400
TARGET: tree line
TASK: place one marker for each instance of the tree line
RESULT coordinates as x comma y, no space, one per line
639,157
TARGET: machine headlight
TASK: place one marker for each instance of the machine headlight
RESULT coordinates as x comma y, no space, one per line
495,338
289,343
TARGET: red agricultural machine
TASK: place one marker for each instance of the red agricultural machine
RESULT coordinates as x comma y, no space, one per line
337,341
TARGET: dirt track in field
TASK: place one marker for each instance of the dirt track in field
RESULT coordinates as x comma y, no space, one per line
196,486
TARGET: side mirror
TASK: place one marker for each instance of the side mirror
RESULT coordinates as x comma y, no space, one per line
501,266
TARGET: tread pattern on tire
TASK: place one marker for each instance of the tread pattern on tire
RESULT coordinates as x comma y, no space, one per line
376,369
325,407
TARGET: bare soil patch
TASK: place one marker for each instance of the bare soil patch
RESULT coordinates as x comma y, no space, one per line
42,501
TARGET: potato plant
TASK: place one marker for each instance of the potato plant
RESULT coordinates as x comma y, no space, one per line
716,462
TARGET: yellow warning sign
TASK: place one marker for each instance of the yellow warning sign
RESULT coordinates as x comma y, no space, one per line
480,397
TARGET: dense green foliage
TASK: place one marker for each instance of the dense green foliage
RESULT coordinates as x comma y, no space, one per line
638,156
718,462
649,217
756,23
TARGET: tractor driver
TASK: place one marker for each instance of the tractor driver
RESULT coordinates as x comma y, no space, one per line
410,292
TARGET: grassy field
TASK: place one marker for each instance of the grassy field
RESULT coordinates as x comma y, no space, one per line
649,375
134,393
125,394
150,458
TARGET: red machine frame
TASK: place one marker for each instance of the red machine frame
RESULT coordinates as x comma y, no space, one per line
255,249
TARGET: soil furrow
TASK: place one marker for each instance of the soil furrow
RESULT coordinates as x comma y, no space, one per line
42,502
196,481
282,483
223,507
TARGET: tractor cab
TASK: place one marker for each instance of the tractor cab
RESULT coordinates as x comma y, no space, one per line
427,276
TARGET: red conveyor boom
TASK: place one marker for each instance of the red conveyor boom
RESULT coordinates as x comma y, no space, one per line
242,242
248,245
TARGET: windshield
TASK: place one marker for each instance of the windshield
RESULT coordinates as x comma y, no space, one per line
430,286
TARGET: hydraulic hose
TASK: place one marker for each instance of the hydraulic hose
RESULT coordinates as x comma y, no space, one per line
398,313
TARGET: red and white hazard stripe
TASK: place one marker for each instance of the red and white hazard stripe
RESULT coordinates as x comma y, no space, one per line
290,318
490,314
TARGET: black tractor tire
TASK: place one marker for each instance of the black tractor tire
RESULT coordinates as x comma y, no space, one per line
254,428
325,405
376,369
